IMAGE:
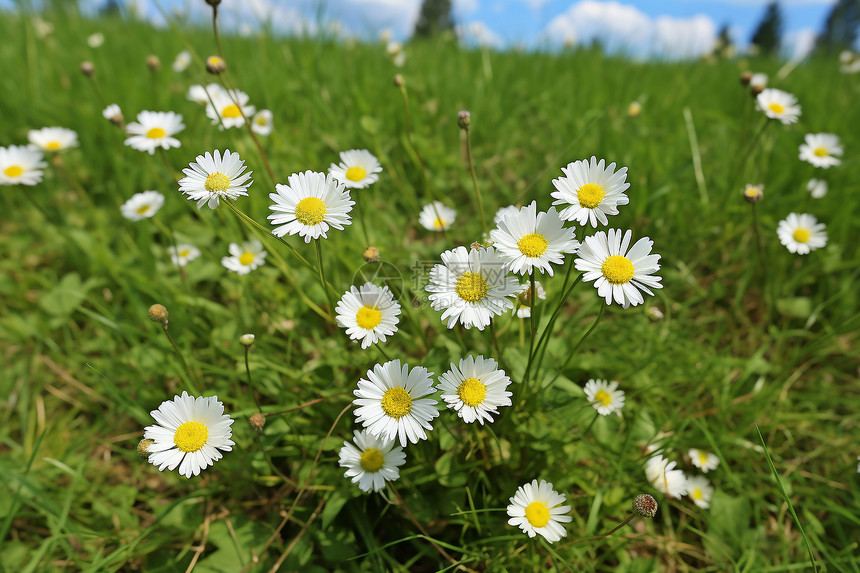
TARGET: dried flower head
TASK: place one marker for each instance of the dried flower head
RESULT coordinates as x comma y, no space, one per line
645,505
258,420
158,313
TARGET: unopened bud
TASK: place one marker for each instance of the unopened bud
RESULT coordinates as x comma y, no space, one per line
87,68
216,65
143,447
753,193
746,77
258,420
398,80
634,109
213,3
246,339
654,313
645,505
371,255
755,90
153,63
464,119
158,313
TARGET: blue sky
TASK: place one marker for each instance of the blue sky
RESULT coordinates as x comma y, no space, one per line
675,28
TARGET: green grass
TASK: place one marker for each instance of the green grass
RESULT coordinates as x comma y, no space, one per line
767,339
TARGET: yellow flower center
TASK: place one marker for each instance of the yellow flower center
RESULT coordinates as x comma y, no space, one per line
13,171
751,191
537,514
472,392
260,120
820,152
54,145
703,458
310,211
185,253
590,195
776,108
697,493
371,460
801,235
471,287
617,269
368,317
439,223
231,111
246,258
356,173
532,245
217,182
603,397
156,133
396,402
191,436
142,209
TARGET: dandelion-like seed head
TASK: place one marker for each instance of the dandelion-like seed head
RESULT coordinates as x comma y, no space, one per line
645,505
257,421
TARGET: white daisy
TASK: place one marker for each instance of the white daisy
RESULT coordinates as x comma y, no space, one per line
245,257
700,491
819,149
590,191
620,274
753,192
536,509
522,306
189,433
358,168
471,287
182,61
373,462
154,129
210,178
502,212
142,205
112,113
261,123
604,396
201,94
368,313
817,188
475,389
801,233
391,404
530,240
20,165
182,254
229,109
777,104
53,138
308,205
96,40
436,216
705,461
661,474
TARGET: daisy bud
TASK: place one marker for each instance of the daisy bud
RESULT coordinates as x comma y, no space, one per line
755,90
258,420
246,340
87,68
753,193
143,448
398,80
152,62
213,3
215,65
371,255
634,109
645,505
746,77
158,313
464,118
654,313
476,245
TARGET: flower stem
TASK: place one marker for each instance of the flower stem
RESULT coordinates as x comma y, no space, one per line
475,179
581,340
192,379
532,325
323,282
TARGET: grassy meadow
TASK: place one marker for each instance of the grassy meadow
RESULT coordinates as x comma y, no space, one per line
751,335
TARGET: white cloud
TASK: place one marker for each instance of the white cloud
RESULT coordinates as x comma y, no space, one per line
479,33
462,7
624,27
784,3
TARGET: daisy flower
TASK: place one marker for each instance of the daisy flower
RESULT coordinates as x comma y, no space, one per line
390,402
536,509
590,191
471,287
53,138
620,274
188,434
705,461
182,61
475,389
819,149
154,129
201,94
661,474
753,193
210,178
523,307
604,396
801,233
112,113
501,213
368,313
142,205
436,216
308,205
700,491
357,169
20,165
230,109
817,188
777,104
182,254
261,124
373,462
246,257
530,240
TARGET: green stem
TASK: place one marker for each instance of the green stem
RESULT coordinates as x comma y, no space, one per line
543,341
475,179
250,385
532,326
323,282
254,223
192,380
581,340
